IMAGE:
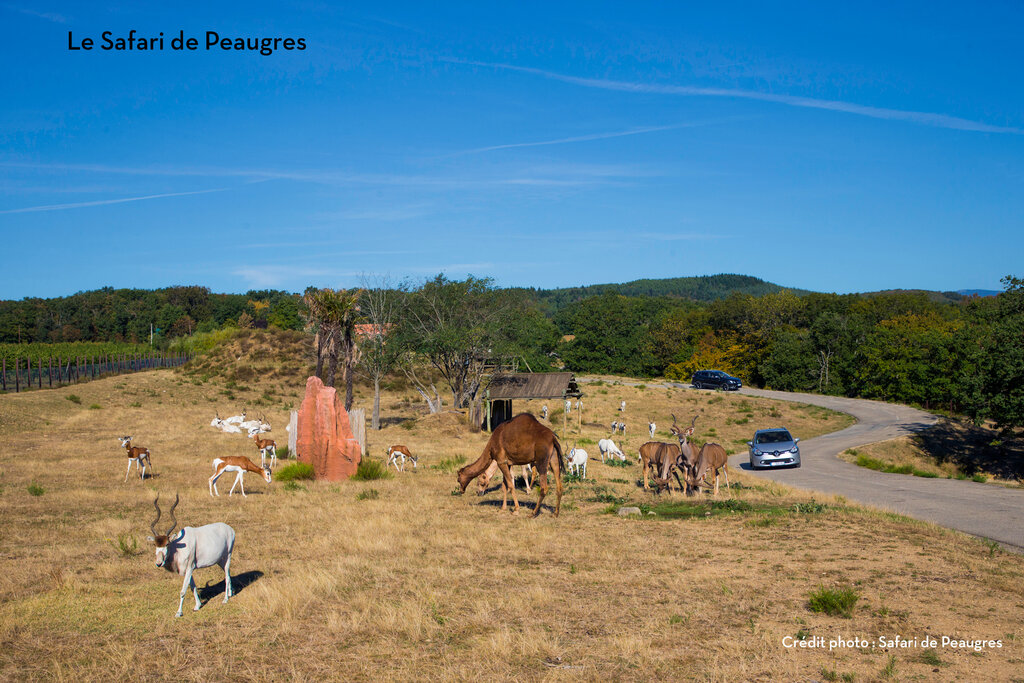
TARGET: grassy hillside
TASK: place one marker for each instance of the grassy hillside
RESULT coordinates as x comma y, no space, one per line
400,579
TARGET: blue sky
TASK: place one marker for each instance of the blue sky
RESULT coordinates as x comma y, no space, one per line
834,149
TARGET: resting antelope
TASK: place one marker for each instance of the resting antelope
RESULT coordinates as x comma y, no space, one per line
399,454
193,548
137,455
236,463
711,457
264,446
236,419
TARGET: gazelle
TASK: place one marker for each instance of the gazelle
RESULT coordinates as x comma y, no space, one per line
399,454
236,463
193,548
651,427
137,455
264,446
236,419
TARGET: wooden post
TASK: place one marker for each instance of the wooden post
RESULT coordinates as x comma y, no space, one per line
49,372
17,380
39,365
293,433
357,420
4,375
579,409
487,399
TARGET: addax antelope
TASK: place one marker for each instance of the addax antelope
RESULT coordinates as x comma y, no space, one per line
236,463
264,446
137,455
193,548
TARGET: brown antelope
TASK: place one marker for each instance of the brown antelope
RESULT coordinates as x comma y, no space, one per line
264,446
236,463
399,454
711,457
687,451
661,457
193,548
523,440
137,455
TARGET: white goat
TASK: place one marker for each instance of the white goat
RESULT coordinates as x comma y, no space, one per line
193,548
608,447
576,460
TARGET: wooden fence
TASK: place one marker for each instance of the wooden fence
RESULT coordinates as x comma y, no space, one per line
54,372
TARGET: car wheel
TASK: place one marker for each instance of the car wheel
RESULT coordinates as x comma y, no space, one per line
752,465
696,385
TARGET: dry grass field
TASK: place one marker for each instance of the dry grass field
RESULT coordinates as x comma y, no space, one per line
335,582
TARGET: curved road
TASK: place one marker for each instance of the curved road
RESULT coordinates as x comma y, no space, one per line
978,509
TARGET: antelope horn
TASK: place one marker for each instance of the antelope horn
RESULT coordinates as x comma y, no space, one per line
673,418
152,527
694,421
174,520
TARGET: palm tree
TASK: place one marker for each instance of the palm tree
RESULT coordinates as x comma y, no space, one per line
334,313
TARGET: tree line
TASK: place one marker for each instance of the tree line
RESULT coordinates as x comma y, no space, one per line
962,354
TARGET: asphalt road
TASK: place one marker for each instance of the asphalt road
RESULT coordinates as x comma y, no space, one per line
982,510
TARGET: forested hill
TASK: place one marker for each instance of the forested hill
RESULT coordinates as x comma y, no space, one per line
703,288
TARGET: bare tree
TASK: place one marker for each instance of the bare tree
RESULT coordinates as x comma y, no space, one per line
381,306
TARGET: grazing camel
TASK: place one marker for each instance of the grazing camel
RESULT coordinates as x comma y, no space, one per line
711,457
523,440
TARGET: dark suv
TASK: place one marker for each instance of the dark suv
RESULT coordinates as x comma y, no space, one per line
715,379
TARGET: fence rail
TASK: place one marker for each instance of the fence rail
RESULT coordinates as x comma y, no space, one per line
26,373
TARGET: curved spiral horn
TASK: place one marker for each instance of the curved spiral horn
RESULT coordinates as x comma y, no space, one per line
152,527
174,520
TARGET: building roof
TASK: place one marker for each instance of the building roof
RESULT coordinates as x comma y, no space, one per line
534,385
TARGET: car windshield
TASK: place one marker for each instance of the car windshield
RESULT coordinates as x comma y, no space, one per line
773,437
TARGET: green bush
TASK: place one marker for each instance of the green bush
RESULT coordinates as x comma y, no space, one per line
833,601
449,464
368,494
95,406
615,462
35,489
294,471
980,478
294,486
74,398
370,469
127,545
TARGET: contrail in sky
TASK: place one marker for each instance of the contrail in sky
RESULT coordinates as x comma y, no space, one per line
104,202
920,117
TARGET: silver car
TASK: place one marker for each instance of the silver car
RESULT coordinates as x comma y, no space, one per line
774,447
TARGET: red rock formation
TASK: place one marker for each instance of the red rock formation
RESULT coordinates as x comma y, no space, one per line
325,438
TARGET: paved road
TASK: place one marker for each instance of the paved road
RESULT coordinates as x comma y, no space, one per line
979,509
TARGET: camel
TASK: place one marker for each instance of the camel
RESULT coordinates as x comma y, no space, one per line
523,440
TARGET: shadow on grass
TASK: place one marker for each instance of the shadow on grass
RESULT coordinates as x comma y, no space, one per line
239,583
973,449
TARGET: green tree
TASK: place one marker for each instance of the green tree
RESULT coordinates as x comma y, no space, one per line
333,314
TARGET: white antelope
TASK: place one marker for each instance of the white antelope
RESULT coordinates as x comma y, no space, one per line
236,419
651,427
138,456
236,463
544,411
399,454
575,460
622,407
608,448
193,548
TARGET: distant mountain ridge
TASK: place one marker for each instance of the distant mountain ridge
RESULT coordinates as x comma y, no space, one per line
978,292
703,288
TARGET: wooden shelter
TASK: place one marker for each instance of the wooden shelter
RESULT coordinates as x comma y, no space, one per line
504,388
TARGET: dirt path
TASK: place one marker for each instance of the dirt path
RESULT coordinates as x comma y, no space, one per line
978,509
